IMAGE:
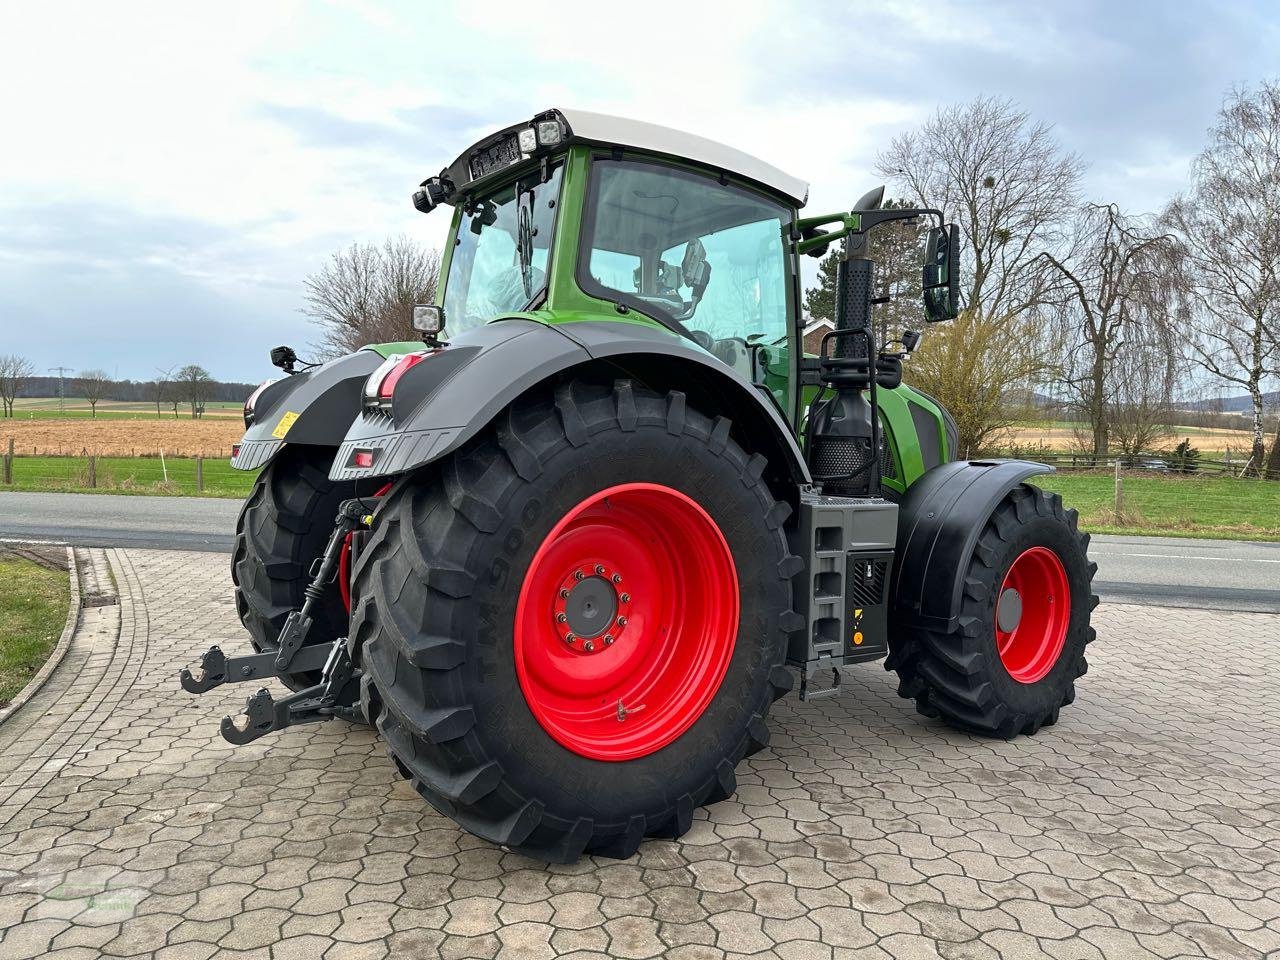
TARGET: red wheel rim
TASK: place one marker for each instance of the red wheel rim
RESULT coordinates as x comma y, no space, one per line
626,621
344,560
1033,610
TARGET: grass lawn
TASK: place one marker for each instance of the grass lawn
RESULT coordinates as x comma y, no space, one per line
1171,506
33,610
130,475
1174,506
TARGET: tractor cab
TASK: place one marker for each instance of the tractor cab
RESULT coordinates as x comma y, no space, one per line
590,214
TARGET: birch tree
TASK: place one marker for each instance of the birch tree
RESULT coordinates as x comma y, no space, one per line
1228,227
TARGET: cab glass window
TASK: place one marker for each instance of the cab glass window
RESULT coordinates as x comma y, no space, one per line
682,246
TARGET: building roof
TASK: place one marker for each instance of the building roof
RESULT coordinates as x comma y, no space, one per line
623,132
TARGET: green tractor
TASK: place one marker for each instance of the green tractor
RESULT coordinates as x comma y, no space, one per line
567,550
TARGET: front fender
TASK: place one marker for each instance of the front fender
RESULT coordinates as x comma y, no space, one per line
939,522
313,407
447,399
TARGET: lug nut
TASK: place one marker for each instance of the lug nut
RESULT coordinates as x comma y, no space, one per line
608,639
561,618
578,575
626,598
569,638
622,621
588,646
564,594
617,578
599,569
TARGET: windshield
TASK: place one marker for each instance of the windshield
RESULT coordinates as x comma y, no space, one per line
499,262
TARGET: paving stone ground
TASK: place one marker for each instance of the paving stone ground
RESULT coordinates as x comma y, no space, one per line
1145,824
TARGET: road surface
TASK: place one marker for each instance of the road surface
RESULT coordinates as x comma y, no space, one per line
1162,571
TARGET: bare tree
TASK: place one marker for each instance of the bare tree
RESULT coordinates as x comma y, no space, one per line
365,294
974,366
1105,283
1008,184
15,371
1140,379
162,388
1228,225
192,384
94,384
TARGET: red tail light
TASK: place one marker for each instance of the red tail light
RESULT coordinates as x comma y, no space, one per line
381,385
388,385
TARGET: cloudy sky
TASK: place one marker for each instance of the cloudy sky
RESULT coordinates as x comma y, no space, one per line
170,172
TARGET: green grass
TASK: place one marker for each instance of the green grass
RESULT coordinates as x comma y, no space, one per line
1173,506
77,408
130,475
33,610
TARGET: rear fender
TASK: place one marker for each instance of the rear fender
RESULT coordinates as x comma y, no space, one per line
313,407
939,522
449,398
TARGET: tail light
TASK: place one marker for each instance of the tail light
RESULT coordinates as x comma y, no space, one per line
381,385
253,401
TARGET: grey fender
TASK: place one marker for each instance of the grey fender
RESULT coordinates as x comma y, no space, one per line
312,407
939,522
447,399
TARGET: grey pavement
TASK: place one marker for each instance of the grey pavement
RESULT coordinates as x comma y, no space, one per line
1146,823
1163,571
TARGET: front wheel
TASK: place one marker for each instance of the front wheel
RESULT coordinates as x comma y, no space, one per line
573,629
1010,662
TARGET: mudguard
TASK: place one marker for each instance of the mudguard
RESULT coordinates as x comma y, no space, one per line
450,397
313,407
939,522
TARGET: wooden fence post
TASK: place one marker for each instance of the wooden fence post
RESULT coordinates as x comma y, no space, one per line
93,472
1119,495
8,463
199,474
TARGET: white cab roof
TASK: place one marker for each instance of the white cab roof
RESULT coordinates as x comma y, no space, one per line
622,132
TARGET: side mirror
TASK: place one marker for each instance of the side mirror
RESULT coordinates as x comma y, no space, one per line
942,273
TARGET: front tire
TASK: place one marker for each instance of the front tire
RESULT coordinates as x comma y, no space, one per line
499,721
1010,662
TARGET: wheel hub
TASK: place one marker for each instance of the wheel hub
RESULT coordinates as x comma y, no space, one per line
586,608
1009,610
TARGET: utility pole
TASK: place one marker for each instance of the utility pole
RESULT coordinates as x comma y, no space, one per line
62,390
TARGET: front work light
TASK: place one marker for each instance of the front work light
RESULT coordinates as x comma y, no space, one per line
548,133
528,140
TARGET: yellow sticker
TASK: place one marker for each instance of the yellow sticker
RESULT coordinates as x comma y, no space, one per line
285,423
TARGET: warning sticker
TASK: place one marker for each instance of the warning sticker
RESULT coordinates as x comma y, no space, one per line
285,423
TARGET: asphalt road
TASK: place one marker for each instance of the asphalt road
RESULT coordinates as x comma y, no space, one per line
1161,571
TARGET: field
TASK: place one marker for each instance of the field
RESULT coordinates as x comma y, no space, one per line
210,436
76,408
1062,435
1173,506
174,476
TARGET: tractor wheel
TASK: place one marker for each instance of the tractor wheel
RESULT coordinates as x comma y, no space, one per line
572,630
283,527
1011,662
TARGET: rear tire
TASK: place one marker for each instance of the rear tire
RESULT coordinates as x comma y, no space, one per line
436,624
962,676
283,527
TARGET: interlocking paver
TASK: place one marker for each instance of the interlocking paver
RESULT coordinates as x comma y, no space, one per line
1145,824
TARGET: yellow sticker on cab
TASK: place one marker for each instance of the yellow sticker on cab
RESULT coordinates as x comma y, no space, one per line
285,423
